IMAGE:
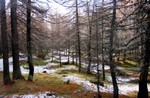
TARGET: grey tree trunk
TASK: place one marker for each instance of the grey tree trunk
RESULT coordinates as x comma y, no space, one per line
60,56
14,41
103,67
97,58
78,36
68,50
29,47
89,39
6,75
143,90
112,66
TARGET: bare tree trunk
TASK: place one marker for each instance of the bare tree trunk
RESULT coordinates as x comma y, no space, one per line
124,56
68,50
103,67
52,51
76,55
78,36
15,43
60,56
112,66
6,75
89,40
97,58
29,47
73,57
143,90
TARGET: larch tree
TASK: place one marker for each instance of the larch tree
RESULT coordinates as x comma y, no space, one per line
97,50
14,41
6,75
102,41
143,90
111,38
29,47
78,36
89,38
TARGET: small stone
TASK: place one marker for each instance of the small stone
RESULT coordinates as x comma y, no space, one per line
44,71
64,75
50,93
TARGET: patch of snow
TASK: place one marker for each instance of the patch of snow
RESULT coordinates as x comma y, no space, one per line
124,88
39,95
1,63
87,84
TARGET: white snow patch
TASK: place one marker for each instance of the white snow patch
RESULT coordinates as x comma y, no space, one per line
39,95
124,88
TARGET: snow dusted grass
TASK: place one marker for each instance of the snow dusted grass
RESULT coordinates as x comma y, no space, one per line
53,70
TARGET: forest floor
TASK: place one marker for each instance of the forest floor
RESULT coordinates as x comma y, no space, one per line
53,81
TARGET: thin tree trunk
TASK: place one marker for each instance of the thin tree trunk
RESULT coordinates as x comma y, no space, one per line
60,57
124,56
103,67
97,58
143,90
73,56
112,66
52,51
15,43
68,50
78,36
29,47
6,75
76,56
89,40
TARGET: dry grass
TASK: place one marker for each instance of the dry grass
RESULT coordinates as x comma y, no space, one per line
45,82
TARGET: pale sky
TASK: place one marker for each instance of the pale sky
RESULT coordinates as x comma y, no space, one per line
54,7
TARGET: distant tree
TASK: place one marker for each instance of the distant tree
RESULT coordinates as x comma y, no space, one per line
89,38
6,75
14,41
78,36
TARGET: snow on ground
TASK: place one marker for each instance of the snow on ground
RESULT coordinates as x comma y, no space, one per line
124,86
39,95
1,63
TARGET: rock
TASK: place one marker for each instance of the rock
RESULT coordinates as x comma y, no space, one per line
67,82
50,93
26,67
64,76
44,71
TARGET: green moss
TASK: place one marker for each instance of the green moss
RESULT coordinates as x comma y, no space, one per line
1,56
66,71
55,61
39,62
23,63
55,67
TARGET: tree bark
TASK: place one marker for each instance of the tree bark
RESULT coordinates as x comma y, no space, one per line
97,58
14,40
68,50
78,36
112,66
6,75
89,40
29,47
103,66
143,90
